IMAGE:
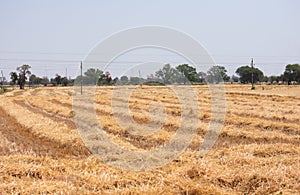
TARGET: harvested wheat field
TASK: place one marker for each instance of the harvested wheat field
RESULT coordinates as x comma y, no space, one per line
257,151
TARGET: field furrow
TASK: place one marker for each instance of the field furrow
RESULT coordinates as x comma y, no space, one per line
256,152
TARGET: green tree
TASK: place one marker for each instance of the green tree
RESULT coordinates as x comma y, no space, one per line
104,79
45,81
245,74
22,77
188,73
124,80
134,80
281,78
92,76
64,81
23,73
53,81
265,79
167,74
115,80
292,73
217,74
34,80
57,79
14,78
273,79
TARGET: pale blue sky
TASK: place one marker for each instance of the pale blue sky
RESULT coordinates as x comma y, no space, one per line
52,35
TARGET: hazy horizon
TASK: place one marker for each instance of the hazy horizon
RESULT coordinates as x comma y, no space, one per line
54,36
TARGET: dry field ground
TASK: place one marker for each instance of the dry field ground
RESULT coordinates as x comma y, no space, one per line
257,152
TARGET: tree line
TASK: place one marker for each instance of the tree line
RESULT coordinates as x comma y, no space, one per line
23,74
181,74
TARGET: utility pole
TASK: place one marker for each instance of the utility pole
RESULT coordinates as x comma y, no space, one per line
140,82
252,79
66,72
2,79
46,73
81,78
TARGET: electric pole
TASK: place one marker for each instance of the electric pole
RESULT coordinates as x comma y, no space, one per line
46,73
140,78
252,79
81,78
2,79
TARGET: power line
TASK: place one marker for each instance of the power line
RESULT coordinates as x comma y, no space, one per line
125,62
81,78
2,78
99,53
252,80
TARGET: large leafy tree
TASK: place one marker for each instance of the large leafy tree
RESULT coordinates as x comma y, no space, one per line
124,79
245,74
135,80
13,78
217,74
104,79
95,77
92,76
56,80
34,80
23,73
188,73
167,74
292,73
20,78
64,81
